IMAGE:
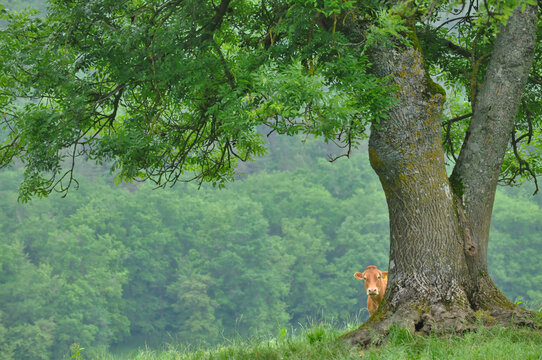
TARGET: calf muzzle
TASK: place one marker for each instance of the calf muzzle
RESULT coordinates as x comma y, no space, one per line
372,291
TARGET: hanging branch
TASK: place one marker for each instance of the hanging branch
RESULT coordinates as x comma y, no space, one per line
523,164
447,135
348,145
529,118
448,140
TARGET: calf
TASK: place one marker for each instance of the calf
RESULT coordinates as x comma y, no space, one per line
375,284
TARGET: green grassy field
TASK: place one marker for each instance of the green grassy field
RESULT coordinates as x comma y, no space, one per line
319,342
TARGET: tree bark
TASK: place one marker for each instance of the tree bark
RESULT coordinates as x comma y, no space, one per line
439,228
476,173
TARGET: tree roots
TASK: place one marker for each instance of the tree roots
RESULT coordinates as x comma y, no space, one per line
437,319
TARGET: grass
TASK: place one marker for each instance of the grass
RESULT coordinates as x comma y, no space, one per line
318,342
485,344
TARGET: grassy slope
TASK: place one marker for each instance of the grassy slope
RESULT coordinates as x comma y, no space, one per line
318,342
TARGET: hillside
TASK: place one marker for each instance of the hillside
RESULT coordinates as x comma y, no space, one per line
120,266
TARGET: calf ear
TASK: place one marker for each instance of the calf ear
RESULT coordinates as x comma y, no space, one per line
359,276
384,275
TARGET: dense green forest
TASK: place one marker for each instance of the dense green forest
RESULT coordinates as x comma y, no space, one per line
112,264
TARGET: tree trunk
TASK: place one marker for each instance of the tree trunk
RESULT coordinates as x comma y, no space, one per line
476,173
439,229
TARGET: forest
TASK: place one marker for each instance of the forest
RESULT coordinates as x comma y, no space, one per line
128,264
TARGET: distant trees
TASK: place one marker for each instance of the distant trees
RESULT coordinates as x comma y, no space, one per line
62,276
516,224
108,263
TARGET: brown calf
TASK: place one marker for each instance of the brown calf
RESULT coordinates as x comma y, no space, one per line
375,284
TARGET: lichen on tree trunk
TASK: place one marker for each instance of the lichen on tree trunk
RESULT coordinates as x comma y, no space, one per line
428,273
438,274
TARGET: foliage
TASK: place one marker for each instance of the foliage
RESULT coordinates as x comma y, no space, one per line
171,94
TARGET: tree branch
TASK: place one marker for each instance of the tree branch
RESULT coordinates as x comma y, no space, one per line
458,49
479,163
456,119
229,75
216,21
523,164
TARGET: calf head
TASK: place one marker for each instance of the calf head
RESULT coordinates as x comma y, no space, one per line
375,280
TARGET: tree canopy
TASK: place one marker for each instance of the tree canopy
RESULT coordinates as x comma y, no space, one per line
174,90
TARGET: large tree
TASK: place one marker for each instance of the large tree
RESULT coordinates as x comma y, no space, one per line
180,90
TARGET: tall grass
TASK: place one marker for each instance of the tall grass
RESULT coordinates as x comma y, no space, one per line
319,342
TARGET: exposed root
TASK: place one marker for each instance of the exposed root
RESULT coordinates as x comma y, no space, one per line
434,318
438,318
495,307
515,316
